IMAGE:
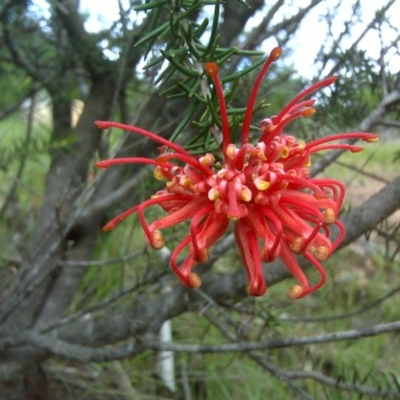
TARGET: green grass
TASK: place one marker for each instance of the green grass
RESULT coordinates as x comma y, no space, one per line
376,158
13,149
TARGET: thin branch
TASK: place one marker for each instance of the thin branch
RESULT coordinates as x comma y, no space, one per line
101,263
372,23
349,314
383,75
187,394
366,124
361,171
257,357
17,104
83,43
348,387
107,302
390,123
85,353
260,33
16,56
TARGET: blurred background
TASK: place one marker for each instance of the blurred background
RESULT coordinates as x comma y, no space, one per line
86,314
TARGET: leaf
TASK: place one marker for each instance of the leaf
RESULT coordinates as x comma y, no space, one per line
214,30
153,34
200,29
151,5
186,71
395,380
243,72
185,120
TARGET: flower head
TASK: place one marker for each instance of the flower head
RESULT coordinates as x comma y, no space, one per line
264,189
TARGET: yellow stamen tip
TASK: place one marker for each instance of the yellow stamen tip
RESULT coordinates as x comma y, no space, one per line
207,160
322,253
297,244
194,281
329,215
261,184
231,151
213,194
158,173
185,181
157,240
295,292
246,195
284,152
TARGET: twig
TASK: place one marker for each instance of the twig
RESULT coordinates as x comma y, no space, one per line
85,353
187,394
361,171
101,263
366,124
348,387
107,302
261,360
346,315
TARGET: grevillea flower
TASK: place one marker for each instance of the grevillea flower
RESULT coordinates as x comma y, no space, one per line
264,189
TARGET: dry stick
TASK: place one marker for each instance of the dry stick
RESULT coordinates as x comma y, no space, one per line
185,381
90,354
345,386
102,263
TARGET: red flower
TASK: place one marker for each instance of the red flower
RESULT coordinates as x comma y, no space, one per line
264,189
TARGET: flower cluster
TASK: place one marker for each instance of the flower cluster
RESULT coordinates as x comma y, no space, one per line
265,189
